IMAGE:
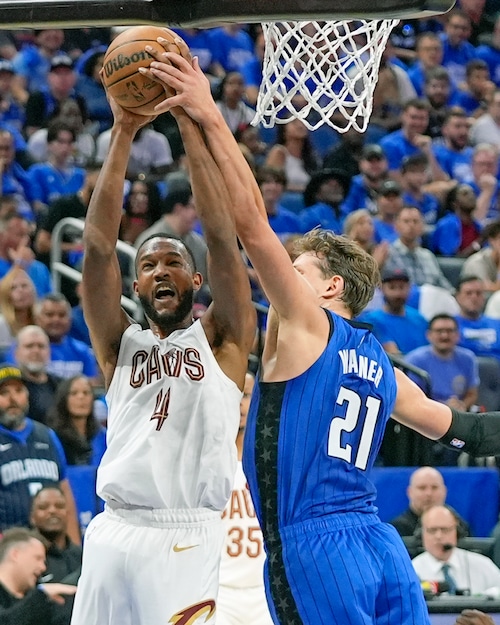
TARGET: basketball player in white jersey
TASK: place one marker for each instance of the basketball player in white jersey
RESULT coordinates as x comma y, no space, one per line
173,391
242,598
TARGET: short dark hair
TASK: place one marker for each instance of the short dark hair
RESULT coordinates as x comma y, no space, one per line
274,174
164,235
443,316
475,64
55,127
179,195
467,278
492,230
15,536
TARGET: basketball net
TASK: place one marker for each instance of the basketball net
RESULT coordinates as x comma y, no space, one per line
321,72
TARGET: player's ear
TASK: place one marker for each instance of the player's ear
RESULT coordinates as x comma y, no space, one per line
197,280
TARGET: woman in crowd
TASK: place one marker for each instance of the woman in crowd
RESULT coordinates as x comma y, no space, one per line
141,209
358,226
229,97
17,301
73,419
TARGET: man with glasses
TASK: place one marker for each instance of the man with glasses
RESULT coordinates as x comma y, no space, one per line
457,571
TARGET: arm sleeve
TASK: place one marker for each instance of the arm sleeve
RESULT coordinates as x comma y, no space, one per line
477,434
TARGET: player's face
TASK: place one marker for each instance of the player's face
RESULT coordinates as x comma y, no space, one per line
13,404
307,265
29,558
80,398
49,513
165,282
245,400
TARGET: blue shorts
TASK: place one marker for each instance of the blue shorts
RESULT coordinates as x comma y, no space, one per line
350,569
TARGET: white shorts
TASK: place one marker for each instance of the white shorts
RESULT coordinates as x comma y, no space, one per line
242,606
147,567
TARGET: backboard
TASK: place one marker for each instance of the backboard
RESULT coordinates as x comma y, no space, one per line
204,13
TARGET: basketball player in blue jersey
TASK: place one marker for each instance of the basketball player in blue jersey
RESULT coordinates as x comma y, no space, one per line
173,393
325,393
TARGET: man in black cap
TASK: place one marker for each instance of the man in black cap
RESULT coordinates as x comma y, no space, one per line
365,186
389,203
31,457
323,199
45,104
397,326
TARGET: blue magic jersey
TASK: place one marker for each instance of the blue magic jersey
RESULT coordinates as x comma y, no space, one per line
311,442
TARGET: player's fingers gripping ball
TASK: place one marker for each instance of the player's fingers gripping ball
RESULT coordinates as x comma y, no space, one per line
134,91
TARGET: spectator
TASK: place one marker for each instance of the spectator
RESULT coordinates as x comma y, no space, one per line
485,264
68,357
414,175
407,254
474,95
89,86
200,44
15,250
294,154
425,490
14,179
323,201
229,98
389,205
457,51
12,111
399,327
32,63
179,218
49,516
43,105
251,70
490,52
141,209
232,47
17,303
22,602
365,186
151,154
479,333
486,129
442,561
74,422
346,154
457,233
453,152
484,181
410,139
32,356
27,443
429,49
437,91
359,227
56,176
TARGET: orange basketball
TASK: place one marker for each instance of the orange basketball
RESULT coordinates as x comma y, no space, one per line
125,54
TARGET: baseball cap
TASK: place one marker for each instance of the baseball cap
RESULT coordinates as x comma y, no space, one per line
372,150
61,60
389,187
394,274
6,66
9,373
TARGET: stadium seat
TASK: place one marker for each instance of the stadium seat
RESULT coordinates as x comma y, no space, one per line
451,266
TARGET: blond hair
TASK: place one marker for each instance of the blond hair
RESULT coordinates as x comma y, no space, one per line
6,305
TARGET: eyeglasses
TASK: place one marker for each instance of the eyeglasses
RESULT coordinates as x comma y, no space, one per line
444,330
444,530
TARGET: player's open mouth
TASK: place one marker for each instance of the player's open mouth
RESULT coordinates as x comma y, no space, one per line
164,293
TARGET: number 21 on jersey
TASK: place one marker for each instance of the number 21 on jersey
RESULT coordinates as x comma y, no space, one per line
348,423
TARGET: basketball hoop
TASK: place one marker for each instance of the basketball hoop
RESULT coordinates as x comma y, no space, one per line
321,72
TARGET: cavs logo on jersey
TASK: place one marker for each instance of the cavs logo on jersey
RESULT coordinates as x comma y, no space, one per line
192,614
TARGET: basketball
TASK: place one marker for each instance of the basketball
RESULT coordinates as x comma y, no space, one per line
125,54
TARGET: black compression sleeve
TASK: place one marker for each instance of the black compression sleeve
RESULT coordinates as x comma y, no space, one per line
476,433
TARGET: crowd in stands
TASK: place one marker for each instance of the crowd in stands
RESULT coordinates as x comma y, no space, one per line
420,191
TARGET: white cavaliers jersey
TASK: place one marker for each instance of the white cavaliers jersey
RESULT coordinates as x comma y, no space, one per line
172,424
243,553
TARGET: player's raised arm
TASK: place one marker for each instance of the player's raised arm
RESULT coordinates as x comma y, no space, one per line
230,320
101,282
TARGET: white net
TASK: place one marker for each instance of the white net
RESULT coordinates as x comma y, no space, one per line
321,72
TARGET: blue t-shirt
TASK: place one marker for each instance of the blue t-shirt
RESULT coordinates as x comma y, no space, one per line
71,357
396,146
455,58
450,377
231,51
284,222
407,331
492,58
322,215
49,183
457,165
481,336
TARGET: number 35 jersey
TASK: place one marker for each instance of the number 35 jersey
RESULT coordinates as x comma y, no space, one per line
172,424
311,442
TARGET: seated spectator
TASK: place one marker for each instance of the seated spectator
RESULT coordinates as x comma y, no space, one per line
73,420
425,490
32,356
485,162
17,303
42,106
229,98
414,175
249,136
457,50
437,92
14,179
359,227
15,249
22,601
489,51
150,155
486,129
141,209
68,357
389,205
457,233
200,44
89,86
429,50
453,152
479,333
49,516
453,372
56,176
365,186
232,47
407,254
464,572
399,327
12,111
485,263
323,201
473,96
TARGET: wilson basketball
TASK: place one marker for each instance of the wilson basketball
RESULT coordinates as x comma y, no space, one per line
125,54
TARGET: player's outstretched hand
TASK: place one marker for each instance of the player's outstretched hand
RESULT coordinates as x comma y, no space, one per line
56,592
474,617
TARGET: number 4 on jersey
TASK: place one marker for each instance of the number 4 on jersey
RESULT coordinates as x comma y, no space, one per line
348,423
